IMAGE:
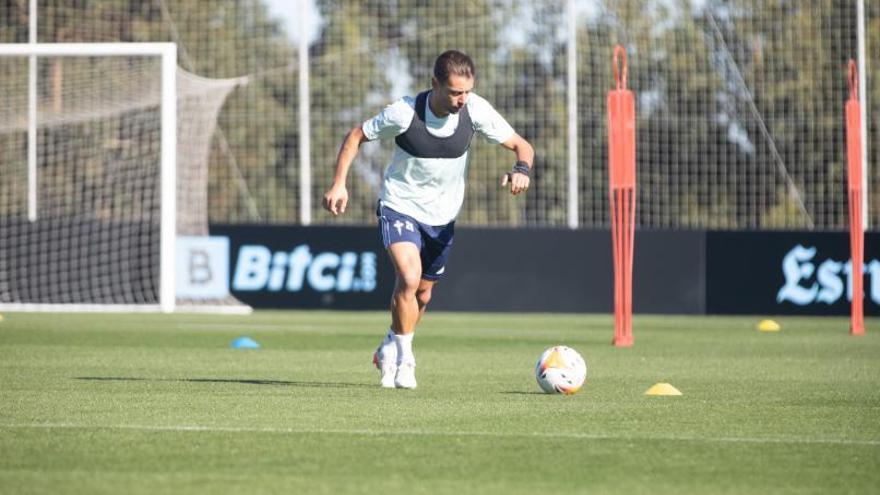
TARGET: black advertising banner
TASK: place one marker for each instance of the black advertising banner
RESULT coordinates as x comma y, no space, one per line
308,267
546,270
806,273
556,270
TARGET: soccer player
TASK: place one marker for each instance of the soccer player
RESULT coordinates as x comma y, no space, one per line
423,190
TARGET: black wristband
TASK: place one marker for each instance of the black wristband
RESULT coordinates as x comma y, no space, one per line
521,167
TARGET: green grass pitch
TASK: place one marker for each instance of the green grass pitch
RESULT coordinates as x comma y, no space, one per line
160,404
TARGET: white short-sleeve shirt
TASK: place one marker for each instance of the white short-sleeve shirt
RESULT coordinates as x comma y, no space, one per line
431,190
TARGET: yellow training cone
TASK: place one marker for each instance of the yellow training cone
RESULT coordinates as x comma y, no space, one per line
663,389
768,326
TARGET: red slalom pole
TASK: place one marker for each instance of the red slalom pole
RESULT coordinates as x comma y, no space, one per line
621,192
854,180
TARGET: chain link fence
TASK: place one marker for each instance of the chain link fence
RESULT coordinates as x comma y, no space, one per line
739,102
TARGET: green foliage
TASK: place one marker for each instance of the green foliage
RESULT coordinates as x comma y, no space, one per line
737,100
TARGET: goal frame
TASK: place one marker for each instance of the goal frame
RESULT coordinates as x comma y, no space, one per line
167,52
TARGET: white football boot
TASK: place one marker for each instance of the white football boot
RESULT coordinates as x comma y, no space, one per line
387,368
406,375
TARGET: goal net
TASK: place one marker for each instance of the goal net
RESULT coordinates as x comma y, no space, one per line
105,152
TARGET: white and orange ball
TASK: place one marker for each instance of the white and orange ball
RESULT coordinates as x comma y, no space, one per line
561,370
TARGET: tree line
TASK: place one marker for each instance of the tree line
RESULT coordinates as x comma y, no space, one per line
739,102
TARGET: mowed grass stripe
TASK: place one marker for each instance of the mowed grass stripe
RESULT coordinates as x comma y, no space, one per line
444,433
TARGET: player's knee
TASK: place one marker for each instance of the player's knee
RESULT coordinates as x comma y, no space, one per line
408,282
423,296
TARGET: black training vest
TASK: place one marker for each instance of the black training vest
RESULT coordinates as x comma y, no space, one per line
418,142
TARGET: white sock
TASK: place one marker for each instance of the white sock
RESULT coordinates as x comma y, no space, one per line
388,349
404,348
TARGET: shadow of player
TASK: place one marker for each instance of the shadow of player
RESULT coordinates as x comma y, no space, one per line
245,381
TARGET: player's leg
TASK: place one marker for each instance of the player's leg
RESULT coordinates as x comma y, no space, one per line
390,344
423,295
402,242
405,310
436,245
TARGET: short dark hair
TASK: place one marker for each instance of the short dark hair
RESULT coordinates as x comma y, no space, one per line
453,62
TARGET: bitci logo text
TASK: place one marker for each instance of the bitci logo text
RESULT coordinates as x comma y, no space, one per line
258,268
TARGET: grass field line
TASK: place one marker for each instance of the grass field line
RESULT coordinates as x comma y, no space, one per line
223,326
444,433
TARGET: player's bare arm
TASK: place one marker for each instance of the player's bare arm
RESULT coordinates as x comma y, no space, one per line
518,178
336,198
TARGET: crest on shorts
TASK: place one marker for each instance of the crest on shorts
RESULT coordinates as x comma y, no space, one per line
400,226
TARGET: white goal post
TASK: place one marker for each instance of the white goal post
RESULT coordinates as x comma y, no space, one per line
101,207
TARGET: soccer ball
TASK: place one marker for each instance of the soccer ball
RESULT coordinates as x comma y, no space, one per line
560,370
